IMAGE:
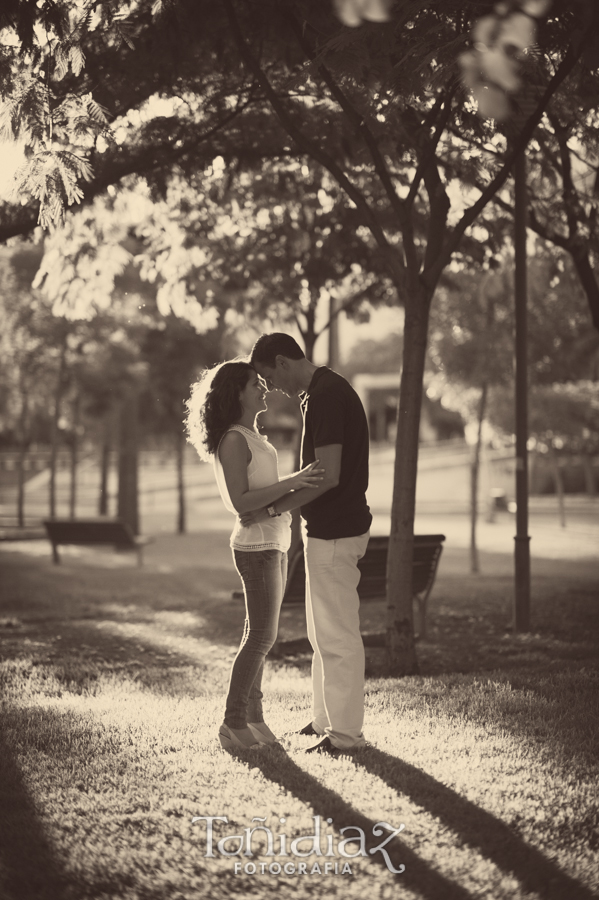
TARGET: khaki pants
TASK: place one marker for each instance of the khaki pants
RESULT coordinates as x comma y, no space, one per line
332,612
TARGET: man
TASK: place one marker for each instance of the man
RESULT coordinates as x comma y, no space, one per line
335,530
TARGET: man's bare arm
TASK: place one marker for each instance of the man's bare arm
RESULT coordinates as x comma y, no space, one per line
330,461
329,457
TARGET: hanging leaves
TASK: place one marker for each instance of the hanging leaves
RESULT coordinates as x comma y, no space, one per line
53,177
354,12
76,59
124,30
42,45
492,69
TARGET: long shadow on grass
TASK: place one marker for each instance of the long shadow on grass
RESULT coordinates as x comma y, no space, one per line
28,869
476,827
45,596
418,874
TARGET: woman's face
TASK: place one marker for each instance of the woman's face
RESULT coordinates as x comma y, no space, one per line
252,396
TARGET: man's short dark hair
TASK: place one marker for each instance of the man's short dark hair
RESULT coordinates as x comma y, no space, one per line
269,346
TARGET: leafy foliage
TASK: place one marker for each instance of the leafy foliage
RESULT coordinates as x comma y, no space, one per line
68,49
563,417
472,337
97,358
45,92
30,341
382,110
274,243
493,67
53,177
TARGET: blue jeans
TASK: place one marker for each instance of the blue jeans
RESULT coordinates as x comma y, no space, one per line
264,574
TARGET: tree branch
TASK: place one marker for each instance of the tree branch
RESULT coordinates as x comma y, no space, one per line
112,170
588,279
439,209
569,191
343,307
572,246
355,118
310,147
431,276
554,237
580,258
429,153
398,205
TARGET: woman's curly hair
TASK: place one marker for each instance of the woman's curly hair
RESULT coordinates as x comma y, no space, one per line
214,404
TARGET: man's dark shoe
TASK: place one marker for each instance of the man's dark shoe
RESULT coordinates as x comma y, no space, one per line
325,746
308,729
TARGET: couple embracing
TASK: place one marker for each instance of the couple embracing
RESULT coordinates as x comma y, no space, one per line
330,490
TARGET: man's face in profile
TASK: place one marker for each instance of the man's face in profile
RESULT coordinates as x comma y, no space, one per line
277,379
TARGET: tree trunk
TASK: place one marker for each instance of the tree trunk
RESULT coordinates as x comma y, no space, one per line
55,432
128,496
588,279
180,448
21,483
104,468
74,458
532,472
333,334
559,484
401,650
309,337
23,447
589,474
474,473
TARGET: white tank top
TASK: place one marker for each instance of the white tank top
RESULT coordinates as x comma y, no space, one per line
263,470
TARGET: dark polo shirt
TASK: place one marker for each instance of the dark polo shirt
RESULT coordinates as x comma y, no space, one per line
333,414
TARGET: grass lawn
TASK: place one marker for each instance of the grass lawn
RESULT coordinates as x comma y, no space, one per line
112,682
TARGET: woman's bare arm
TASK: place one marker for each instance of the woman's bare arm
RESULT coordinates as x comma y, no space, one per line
233,455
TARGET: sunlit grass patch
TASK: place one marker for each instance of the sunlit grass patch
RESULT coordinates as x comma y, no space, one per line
111,703
117,769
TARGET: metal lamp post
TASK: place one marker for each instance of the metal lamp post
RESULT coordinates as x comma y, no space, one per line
521,621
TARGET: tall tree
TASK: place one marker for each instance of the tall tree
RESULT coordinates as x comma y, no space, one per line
563,422
394,104
275,242
30,341
471,349
471,346
385,97
175,353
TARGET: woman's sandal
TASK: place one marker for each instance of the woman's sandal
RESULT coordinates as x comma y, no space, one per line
262,732
230,739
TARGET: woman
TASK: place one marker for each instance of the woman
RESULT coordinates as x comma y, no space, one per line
221,425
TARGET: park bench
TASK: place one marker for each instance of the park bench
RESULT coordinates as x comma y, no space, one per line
373,566
94,531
